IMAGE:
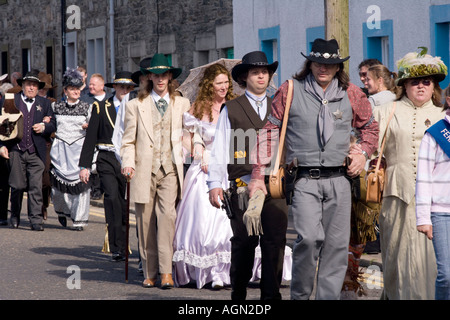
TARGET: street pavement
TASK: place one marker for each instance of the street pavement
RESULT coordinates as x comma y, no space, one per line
64,264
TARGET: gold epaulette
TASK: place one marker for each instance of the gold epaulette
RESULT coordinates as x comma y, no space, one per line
97,105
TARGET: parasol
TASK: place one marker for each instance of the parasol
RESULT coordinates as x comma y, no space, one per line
189,88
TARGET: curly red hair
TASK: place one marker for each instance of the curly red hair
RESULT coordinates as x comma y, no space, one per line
204,101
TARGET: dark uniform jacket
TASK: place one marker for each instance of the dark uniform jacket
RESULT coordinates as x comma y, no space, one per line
100,130
43,109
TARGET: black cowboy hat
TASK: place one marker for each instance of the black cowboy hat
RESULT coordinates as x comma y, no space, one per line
122,77
144,64
252,60
32,76
326,52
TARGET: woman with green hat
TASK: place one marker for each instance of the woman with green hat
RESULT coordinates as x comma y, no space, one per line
409,264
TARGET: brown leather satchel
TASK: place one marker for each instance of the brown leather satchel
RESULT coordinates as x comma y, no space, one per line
376,176
276,178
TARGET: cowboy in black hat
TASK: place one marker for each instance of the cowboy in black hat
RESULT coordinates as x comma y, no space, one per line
31,150
325,107
248,114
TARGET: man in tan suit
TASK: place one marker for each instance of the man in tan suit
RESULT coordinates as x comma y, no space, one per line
152,158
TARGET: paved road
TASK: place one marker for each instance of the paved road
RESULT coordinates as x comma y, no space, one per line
63,264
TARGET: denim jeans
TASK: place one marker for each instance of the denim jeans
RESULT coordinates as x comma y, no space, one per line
441,243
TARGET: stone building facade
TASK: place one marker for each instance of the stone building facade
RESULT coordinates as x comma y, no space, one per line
108,36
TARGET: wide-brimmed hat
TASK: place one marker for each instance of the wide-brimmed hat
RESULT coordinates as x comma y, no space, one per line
325,52
160,64
48,79
144,64
72,78
32,76
253,59
122,77
420,65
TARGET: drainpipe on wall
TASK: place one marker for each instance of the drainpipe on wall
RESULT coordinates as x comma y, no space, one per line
63,35
111,38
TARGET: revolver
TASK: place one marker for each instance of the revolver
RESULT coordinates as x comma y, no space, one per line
226,204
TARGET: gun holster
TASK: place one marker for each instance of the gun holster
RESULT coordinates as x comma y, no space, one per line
290,180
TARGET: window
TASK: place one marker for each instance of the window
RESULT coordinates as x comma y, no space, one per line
228,53
313,34
5,60
205,49
96,62
378,43
270,44
440,35
225,41
26,55
26,60
71,50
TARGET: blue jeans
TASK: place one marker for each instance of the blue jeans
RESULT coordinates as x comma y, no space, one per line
441,243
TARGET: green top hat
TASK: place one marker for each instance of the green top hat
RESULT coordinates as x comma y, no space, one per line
159,65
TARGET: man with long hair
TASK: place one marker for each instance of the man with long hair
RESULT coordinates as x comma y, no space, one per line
325,107
152,157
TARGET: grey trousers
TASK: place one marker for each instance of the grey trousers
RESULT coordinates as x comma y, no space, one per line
321,213
26,175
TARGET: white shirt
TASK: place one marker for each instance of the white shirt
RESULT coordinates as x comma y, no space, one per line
29,104
156,97
119,127
221,146
101,97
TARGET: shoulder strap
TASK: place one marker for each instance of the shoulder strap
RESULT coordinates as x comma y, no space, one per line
383,144
284,125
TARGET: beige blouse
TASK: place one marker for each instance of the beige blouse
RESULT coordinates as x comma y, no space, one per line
404,136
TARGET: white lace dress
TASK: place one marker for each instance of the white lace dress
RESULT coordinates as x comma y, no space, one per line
70,196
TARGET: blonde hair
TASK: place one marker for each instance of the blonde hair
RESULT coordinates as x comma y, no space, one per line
381,71
99,76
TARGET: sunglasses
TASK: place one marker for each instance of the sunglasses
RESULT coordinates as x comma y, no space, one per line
426,83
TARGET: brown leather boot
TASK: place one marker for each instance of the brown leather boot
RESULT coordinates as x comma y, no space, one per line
166,281
149,283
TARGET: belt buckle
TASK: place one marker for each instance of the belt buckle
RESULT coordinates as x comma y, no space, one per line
314,173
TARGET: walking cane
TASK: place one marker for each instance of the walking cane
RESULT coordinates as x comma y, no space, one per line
127,230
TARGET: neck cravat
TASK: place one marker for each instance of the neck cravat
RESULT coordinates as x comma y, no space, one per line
162,106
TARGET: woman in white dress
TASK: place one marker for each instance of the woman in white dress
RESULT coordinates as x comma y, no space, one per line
202,247
70,196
